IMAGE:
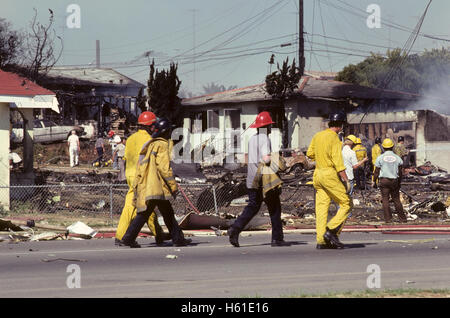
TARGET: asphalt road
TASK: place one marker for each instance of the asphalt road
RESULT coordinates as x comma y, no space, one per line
212,268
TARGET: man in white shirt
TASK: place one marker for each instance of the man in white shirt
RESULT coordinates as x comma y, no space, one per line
74,148
350,160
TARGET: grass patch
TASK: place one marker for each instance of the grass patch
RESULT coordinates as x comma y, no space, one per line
385,293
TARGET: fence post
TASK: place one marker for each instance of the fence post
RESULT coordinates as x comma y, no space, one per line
215,200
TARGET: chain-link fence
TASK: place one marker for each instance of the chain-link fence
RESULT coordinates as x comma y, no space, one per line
106,201
95,200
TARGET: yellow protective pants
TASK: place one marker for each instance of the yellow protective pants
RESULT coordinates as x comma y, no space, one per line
329,187
129,213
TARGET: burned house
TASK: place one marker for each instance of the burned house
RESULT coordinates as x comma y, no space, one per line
426,132
95,98
306,112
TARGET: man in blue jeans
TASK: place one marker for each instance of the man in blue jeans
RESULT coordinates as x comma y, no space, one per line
259,150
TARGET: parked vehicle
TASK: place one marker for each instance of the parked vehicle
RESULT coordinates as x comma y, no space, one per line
44,131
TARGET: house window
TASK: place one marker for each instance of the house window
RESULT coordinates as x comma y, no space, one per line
198,121
213,118
232,118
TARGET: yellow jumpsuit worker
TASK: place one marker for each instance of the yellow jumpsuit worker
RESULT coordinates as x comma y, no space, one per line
133,147
325,150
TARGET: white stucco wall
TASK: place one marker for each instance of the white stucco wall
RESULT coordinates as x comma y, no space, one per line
4,152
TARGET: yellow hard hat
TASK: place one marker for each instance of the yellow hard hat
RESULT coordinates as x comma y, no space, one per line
387,143
358,141
352,138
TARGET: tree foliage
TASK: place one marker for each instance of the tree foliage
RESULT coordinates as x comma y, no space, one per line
280,85
10,44
162,90
413,73
30,54
212,87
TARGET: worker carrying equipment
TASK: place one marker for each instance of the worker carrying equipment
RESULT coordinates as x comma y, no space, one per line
325,150
263,184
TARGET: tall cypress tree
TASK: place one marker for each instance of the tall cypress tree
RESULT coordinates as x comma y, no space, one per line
280,84
162,90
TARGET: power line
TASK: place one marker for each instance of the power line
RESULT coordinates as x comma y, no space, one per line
406,48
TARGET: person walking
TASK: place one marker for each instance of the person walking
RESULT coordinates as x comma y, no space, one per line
330,182
133,147
73,142
388,175
263,184
154,185
100,148
360,172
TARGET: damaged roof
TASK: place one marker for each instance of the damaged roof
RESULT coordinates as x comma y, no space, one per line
308,87
13,84
89,76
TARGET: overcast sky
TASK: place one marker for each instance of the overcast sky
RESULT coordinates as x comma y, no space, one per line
229,42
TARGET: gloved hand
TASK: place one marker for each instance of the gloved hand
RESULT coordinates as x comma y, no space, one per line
348,186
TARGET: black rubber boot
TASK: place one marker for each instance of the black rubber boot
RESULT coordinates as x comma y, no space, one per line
331,238
234,237
129,238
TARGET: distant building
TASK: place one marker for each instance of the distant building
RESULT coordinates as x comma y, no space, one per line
306,110
101,96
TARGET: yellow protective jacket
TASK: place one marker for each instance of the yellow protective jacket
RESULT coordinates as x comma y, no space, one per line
400,150
132,149
361,152
154,176
326,150
267,176
376,151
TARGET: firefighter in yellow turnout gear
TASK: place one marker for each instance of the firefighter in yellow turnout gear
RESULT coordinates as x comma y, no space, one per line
133,147
377,150
154,185
360,172
325,150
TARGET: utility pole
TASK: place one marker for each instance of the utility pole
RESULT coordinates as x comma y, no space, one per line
301,40
97,53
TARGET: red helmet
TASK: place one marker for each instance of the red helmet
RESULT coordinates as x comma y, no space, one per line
111,133
263,119
147,118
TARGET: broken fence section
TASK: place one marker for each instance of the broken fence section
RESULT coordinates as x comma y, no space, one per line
101,199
